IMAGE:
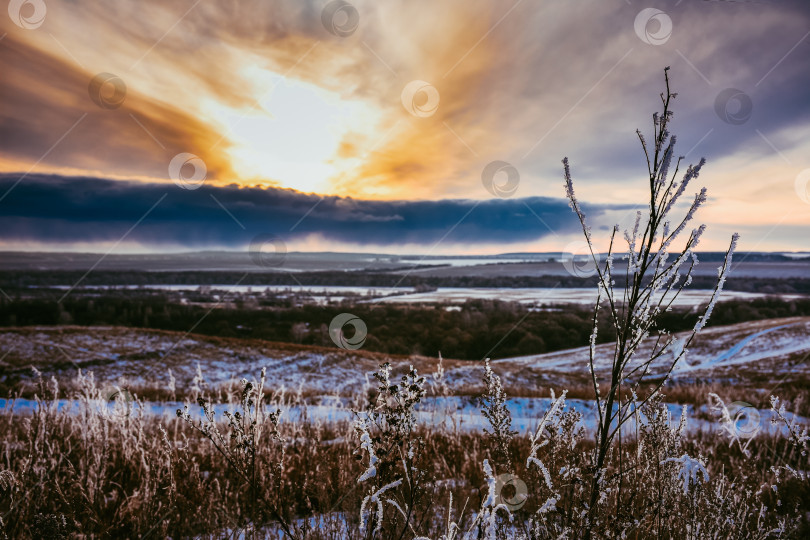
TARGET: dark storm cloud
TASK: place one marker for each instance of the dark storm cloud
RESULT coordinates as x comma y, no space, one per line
57,209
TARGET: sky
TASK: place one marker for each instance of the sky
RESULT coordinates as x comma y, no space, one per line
400,126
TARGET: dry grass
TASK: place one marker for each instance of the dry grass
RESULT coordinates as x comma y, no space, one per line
96,472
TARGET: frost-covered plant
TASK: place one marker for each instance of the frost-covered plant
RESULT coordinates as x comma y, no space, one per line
551,421
70,467
692,472
395,474
653,279
439,386
497,414
442,412
367,516
240,446
798,437
490,507
796,433
728,425
554,465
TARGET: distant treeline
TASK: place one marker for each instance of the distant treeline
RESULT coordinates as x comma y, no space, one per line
15,280
479,328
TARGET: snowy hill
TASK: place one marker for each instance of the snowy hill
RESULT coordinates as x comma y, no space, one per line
762,351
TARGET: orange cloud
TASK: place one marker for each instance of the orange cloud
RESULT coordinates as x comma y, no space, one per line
47,99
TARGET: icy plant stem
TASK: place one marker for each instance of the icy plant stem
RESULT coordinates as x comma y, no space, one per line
648,274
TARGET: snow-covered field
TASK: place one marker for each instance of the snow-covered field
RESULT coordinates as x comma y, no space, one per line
769,350
454,413
334,382
216,293
547,296
133,357
315,290
473,261
442,295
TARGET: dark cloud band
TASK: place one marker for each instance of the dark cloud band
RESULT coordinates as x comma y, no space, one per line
59,209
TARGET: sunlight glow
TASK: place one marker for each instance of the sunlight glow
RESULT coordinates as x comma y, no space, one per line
293,136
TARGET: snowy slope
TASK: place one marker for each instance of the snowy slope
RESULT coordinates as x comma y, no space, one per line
770,346
143,358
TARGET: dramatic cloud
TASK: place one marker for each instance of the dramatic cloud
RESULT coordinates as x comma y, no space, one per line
270,93
48,116
66,210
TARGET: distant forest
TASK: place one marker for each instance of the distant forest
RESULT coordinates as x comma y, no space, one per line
477,329
16,281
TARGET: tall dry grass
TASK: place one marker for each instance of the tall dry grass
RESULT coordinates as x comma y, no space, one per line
102,470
